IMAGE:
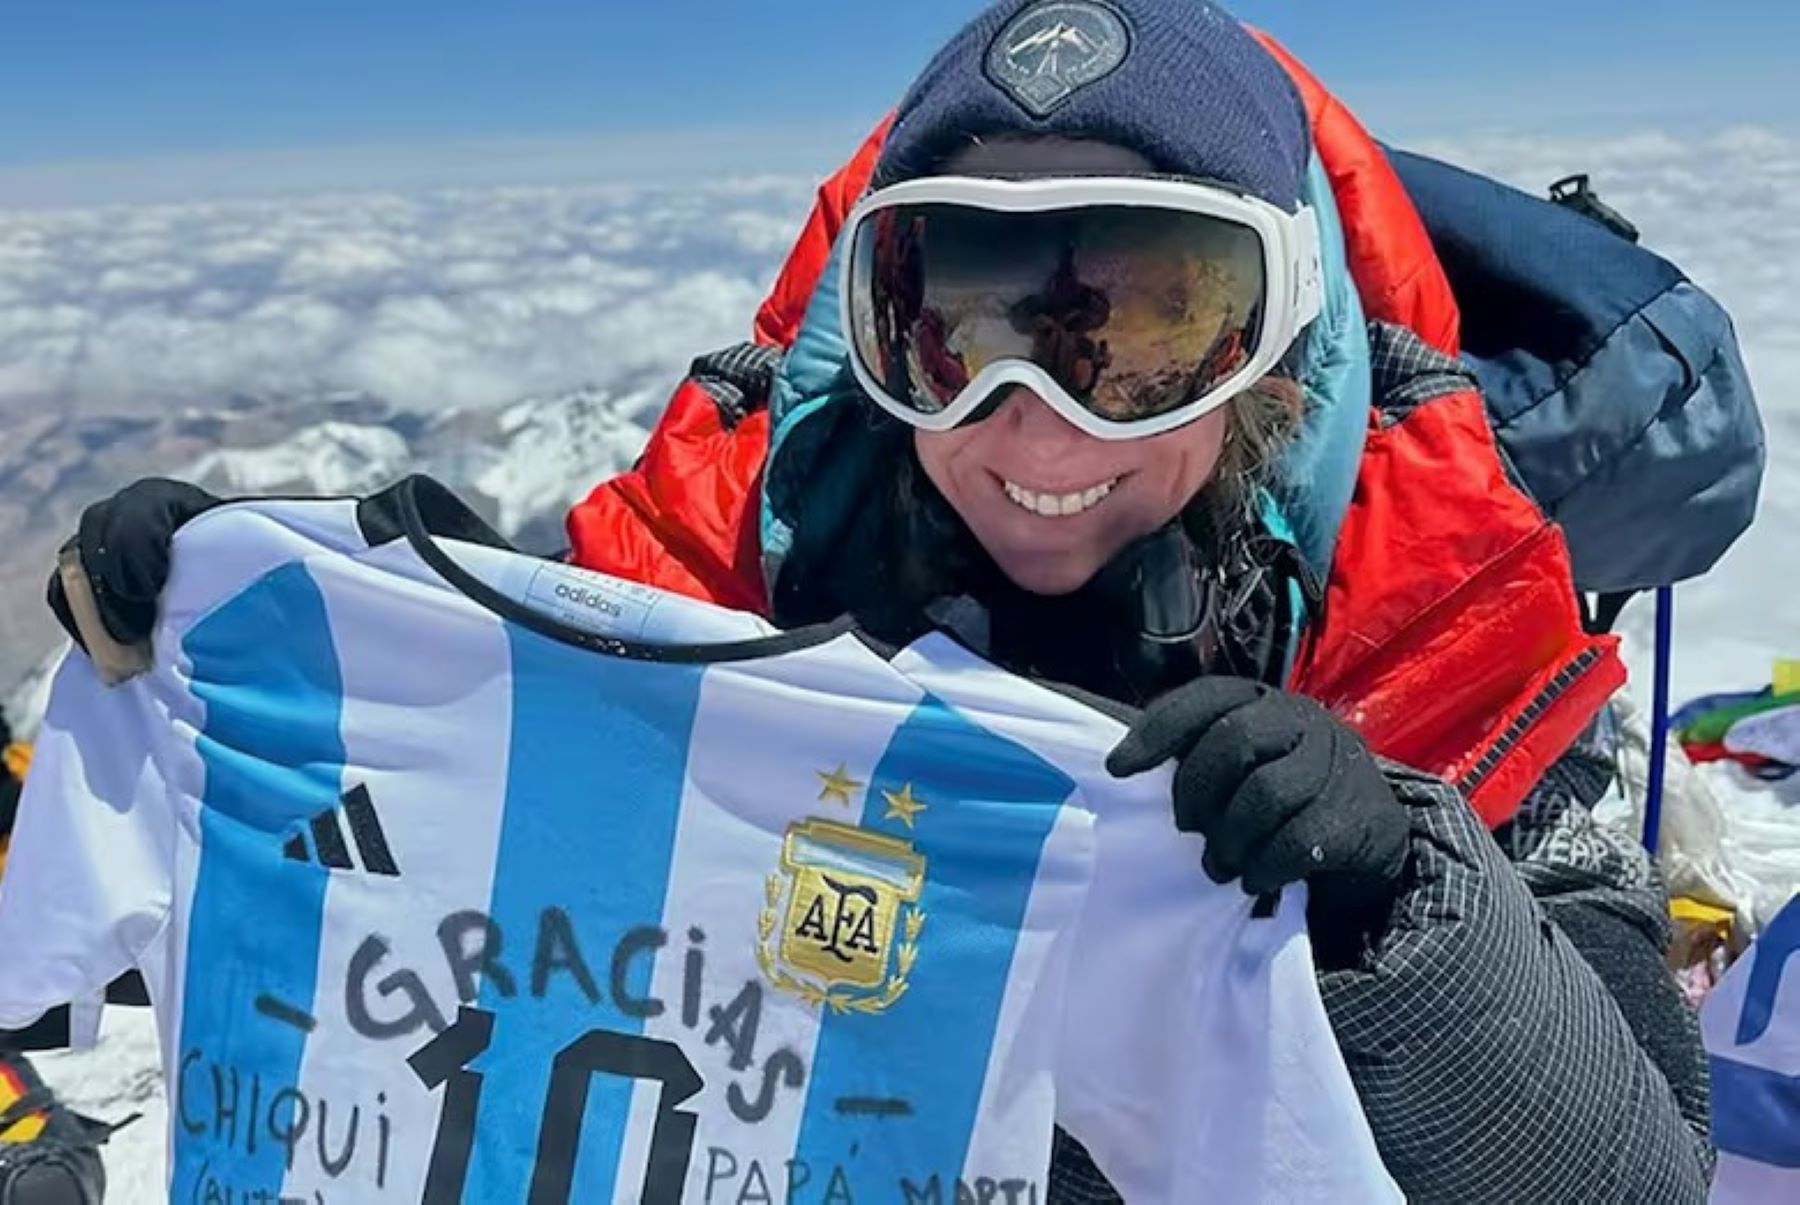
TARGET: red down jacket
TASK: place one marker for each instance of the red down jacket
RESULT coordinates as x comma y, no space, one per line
1450,636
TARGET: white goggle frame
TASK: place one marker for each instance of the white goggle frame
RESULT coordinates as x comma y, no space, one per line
1292,273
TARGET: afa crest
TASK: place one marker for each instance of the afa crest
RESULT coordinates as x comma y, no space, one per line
840,922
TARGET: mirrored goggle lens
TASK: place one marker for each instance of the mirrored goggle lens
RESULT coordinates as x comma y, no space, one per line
1135,311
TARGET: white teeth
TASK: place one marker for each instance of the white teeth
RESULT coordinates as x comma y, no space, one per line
1057,505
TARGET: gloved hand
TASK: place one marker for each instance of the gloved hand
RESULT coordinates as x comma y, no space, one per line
124,546
1281,790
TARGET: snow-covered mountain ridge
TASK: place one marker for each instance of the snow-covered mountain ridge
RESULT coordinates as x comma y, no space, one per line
520,466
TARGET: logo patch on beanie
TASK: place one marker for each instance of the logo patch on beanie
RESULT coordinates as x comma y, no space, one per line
1052,50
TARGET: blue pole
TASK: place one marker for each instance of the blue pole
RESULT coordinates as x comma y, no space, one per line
1659,716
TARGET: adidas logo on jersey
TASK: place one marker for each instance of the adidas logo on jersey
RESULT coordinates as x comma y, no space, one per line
329,846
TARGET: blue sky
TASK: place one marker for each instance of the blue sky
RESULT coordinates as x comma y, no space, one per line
183,93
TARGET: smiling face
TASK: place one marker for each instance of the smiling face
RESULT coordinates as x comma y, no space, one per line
1050,503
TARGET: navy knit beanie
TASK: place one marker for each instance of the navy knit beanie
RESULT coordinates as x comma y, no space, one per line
1179,81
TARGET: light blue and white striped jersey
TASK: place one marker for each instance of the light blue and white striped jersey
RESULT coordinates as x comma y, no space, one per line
461,876
1751,1023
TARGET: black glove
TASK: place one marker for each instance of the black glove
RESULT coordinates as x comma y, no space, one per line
124,547
1282,792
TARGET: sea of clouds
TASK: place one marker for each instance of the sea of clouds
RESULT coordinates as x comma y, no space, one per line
482,296
454,298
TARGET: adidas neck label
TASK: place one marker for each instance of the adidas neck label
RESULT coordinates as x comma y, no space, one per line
603,605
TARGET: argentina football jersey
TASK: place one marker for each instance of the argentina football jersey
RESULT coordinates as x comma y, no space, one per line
1751,1025
463,876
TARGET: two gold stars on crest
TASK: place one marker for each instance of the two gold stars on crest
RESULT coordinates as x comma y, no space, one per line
837,787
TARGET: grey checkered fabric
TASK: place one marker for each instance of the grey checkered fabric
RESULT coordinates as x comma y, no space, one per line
1074,1180
1554,838
737,379
1492,1061
1599,886
1408,372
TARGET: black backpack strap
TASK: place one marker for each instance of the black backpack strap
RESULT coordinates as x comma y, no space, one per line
738,379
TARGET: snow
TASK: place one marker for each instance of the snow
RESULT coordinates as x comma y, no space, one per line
559,447
1762,835
24,708
119,1077
330,458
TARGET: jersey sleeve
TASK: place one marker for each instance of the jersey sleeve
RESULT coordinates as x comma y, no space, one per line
1196,1061
89,872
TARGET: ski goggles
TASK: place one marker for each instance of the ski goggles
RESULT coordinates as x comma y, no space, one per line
1130,305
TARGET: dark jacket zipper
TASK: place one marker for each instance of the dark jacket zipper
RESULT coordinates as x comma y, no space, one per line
1526,719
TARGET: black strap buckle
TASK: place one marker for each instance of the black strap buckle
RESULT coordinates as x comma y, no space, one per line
1573,192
